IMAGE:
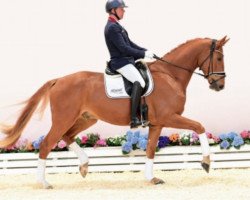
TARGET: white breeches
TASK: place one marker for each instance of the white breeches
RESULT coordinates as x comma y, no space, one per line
132,74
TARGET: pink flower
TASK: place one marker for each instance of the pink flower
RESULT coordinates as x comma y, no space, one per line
101,143
21,143
245,134
209,135
29,146
84,139
62,144
10,148
216,139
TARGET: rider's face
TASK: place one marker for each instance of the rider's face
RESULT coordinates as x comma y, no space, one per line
120,12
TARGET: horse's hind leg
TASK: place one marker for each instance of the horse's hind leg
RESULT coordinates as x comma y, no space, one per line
69,137
59,126
153,137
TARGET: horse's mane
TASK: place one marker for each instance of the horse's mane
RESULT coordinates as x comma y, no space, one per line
183,44
178,47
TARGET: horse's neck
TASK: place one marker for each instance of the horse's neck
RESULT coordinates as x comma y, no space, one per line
181,57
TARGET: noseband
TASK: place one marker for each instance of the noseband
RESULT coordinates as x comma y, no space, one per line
210,66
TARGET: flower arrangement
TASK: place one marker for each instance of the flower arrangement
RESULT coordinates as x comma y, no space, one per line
134,141
246,136
186,138
115,141
137,140
23,145
91,140
231,139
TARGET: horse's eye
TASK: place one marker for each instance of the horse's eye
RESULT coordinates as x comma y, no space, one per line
219,59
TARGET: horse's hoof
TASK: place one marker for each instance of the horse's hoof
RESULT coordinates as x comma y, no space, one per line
44,185
157,181
84,169
48,187
205,166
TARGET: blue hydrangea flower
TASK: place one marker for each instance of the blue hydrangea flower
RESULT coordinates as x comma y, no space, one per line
135,139
129,136
137,134
145,136
41,138
224,144
142,144
232,135
127,147
238,141
36,143
223,136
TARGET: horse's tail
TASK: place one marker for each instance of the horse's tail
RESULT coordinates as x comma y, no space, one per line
14,132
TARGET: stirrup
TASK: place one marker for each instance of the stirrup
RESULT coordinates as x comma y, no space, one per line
135,123
145,123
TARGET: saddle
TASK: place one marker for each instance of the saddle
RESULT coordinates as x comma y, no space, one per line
117,86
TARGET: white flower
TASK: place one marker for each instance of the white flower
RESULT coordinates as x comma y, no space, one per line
211,141
186,134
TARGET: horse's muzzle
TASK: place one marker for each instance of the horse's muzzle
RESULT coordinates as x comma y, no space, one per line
216,86
217,81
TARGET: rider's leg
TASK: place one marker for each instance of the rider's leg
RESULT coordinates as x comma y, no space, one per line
132,74
135,102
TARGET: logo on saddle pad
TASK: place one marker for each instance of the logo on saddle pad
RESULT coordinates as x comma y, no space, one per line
117,86
116,91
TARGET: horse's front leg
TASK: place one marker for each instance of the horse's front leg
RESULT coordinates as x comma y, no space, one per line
177,121
154,133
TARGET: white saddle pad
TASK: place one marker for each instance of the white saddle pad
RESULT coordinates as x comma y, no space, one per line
115,88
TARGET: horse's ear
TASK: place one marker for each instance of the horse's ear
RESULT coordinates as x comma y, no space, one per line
222,42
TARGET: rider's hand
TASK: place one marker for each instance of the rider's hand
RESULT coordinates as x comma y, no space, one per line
149,54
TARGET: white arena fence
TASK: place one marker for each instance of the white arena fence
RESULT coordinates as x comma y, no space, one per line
111,159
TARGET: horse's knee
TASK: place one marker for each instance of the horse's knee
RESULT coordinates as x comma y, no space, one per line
199,129
150,155
150,151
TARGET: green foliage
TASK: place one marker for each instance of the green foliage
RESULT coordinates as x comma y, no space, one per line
92,139
115,141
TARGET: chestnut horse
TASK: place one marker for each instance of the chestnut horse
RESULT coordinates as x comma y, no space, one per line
78,101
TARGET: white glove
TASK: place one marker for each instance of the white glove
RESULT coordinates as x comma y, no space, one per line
149,54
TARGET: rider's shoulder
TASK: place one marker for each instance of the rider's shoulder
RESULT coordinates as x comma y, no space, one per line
113,26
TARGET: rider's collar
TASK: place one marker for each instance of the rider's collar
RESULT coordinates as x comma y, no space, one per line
112,19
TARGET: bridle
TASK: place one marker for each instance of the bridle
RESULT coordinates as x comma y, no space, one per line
210,66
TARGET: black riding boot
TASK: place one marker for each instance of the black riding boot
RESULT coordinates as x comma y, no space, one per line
135,101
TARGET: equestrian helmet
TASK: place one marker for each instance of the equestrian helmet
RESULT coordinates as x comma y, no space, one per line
114,4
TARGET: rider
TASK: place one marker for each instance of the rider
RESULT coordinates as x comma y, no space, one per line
123,53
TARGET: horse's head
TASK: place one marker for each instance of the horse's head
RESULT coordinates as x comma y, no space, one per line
211,62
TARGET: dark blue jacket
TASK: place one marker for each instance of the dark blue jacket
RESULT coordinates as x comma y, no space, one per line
122,50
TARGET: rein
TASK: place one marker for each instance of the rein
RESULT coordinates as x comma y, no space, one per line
210,67
177,66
